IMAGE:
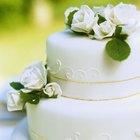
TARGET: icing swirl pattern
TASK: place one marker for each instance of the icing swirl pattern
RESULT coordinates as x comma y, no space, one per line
69,73
103,136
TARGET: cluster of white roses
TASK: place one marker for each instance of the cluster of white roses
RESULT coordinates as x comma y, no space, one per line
101,22
34,78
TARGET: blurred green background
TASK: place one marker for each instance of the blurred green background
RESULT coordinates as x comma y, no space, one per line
25,26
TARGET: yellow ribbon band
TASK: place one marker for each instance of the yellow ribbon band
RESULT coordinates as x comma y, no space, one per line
82,82
106,99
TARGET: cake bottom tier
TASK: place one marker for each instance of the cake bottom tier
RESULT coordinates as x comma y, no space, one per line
69,119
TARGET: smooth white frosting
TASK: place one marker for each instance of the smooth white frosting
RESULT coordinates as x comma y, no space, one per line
62,118
83,69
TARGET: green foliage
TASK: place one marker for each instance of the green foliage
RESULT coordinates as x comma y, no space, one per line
70,17
101,19
119,35
30,98
118,31
16,85
123,36
118,49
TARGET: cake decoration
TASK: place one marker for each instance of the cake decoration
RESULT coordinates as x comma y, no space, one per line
102,136
70,73
76,136
32,87
113,23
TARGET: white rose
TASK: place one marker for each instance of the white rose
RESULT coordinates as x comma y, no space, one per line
14,102
105,29
68,11
52,89
84,20
122,13
130,28
34,77
99,10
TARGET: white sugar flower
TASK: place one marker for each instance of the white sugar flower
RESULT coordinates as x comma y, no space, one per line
105,29
84,20
99,10
122,14
34,77
52,89
130,28
14,102
68,11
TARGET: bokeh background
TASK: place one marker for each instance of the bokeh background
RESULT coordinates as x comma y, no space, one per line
25,26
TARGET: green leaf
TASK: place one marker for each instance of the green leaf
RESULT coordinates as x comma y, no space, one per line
55,96
118,49
70,17
92,32
118,34
123,36
46,65
118,31
101,19
16,85
80,33
30,98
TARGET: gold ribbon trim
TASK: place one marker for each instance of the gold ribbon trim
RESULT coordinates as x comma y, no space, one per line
82,82
106,99
37,135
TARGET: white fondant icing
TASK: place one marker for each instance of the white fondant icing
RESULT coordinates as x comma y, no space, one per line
74,60
60,119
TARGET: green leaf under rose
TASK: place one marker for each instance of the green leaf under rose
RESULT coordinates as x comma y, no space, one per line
16,85
101,19
70,17
118,33
30,98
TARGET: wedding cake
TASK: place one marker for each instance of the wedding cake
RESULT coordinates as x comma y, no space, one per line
92,87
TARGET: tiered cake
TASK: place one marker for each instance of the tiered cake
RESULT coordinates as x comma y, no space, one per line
101,99
100,95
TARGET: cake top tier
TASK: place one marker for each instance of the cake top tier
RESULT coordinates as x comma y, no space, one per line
112,22
77,57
